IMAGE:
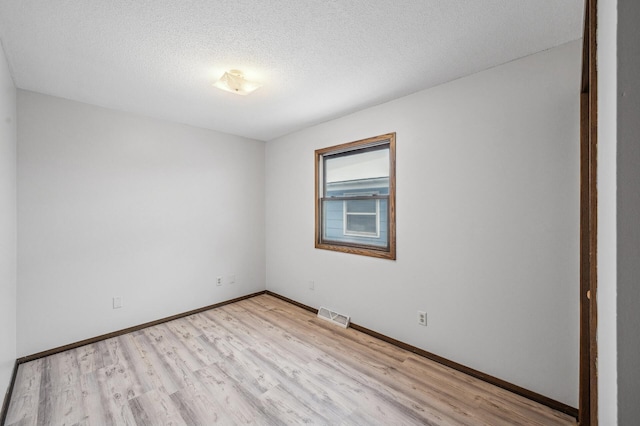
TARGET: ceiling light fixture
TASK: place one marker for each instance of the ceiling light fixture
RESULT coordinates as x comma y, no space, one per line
233,81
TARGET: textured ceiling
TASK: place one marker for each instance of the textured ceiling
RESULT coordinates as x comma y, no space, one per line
316,59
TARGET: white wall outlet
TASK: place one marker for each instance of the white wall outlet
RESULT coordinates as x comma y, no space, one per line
312,285
117,302
219,281
422,318
231,279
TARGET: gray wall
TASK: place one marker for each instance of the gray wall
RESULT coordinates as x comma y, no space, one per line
628,168
7,224
487,222
607,273
116,205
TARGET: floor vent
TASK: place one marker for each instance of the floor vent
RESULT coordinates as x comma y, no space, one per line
334,317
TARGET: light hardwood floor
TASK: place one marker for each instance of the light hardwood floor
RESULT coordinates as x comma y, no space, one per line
258,361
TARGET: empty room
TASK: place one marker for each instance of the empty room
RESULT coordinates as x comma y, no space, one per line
286,212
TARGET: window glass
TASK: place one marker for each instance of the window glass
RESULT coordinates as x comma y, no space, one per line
357,166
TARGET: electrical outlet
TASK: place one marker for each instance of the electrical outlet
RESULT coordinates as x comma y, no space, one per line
422,318
117,302
219,281
312,285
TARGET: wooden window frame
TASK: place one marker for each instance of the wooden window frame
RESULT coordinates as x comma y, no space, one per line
388,252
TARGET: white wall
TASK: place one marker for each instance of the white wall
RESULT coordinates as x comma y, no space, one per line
607,268
112,204
7,224
487,222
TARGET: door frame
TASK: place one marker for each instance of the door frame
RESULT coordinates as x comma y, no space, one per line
588,392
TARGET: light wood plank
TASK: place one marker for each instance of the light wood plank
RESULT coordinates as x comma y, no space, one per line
26,394
257,361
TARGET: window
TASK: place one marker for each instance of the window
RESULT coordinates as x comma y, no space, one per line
362,217
355,197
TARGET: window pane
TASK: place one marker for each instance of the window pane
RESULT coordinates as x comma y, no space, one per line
362,223
358,166
356,228
332,228
361,206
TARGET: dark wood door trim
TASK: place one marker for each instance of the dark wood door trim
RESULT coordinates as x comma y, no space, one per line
588,392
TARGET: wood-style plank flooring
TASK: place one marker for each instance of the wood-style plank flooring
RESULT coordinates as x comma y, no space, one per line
258,361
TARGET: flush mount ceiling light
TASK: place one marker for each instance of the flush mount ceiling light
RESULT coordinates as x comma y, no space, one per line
233,81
